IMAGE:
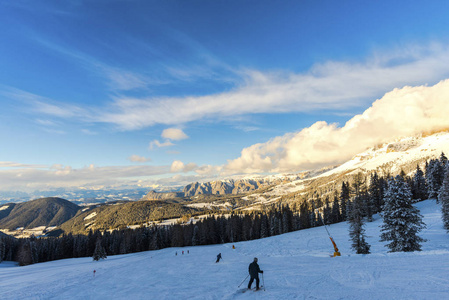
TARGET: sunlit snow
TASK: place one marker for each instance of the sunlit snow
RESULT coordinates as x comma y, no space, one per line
296,266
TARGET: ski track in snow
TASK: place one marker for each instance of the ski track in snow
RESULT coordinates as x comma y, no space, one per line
296,266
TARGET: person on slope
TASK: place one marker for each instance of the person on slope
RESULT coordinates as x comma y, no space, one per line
254,271
218,257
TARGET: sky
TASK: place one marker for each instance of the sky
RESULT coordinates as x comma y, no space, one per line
109,94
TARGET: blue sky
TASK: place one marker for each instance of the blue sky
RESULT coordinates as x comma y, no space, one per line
125,93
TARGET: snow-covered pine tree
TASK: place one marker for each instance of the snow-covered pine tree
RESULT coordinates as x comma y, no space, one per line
356,231
99,252
419,187
401,220
434,177
443,159
444,198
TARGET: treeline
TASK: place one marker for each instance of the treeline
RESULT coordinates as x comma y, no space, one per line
211,230
356,201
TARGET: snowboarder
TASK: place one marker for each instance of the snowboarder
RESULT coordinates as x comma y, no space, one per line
254,271
176,253
218,257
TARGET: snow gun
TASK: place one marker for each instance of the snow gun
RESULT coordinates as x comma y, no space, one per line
336,252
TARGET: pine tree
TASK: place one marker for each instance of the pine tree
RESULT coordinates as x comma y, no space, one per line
196,236
419,187
304,220
344,199
356,231
327,212
264,227
375,192
444,198
2,249
24,256
99,252
434,177
443,159
402,221
336,216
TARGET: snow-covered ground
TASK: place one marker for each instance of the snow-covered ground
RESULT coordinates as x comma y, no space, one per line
296,266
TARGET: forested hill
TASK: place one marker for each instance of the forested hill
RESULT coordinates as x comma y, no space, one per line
117,215
40,212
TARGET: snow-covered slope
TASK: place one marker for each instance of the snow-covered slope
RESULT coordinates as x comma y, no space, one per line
388,157
398,153
296,266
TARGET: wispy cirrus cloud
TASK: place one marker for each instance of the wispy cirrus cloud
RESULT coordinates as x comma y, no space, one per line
331,86
34,103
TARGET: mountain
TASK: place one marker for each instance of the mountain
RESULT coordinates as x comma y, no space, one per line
296,265
35,213
232,186
153,195
120,215
386,159
6,209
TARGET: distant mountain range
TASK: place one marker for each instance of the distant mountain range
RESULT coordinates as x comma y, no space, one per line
230,194
78,196
232,186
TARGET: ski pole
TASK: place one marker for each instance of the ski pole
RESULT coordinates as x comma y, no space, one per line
263,281
243,280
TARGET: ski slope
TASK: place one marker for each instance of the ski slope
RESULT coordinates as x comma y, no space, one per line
296,266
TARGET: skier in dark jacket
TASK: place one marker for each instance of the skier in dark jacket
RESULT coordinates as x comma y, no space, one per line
218,257
254,271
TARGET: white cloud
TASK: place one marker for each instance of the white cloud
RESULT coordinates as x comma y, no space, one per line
401,112
10,164
156,143
330,86
169,134
208,170
138,158
179,166
174,134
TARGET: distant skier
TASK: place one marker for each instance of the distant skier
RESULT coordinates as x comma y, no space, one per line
254,271
176,253
218,257
233,247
